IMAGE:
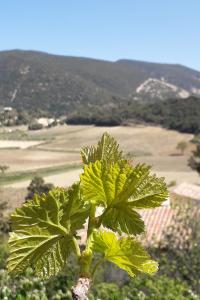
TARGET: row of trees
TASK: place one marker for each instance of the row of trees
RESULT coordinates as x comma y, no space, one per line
174,114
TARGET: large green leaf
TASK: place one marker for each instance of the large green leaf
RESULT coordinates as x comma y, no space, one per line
123,218
75,210
106,150
120,189
43,230
125,252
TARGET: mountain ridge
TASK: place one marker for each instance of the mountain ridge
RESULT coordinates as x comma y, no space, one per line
100,59
57,83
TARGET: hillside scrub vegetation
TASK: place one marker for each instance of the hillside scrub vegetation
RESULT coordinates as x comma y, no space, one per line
177,114
91,91
57,84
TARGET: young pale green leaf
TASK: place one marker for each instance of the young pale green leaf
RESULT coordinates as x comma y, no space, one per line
106,150
127,253
102,186
120,189
43,230
144,190
98,183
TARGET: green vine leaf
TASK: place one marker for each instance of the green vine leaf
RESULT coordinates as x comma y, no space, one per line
127,253
107,150
43,232
121,189
144,190
123,219
75,210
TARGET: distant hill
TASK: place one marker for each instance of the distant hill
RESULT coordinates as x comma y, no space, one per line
34,80
177,75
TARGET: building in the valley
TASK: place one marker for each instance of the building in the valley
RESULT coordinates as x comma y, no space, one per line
7,109
46,122
186,192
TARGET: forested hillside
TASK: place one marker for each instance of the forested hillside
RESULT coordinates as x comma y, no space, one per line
178,114
32,80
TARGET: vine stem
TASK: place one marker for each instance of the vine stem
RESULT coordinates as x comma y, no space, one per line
100,218
91,227
80,290
83,284
76,247
97,265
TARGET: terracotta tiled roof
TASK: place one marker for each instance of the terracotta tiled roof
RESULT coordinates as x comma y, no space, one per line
187,190
156,221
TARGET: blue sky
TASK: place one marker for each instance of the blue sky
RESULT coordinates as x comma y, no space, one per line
150,30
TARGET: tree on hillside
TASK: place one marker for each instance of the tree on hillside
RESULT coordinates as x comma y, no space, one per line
4,222
182,146
194,161
109,194
3,169
196,139
38,186
35,126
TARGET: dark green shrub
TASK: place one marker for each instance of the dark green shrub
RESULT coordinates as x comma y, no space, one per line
35,126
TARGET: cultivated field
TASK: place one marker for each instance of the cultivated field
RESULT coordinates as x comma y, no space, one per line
57,147
17,144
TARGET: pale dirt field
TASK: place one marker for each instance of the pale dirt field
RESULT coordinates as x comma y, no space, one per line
13,196
153,145
31,159
179,177
149,139
60,180
18,144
